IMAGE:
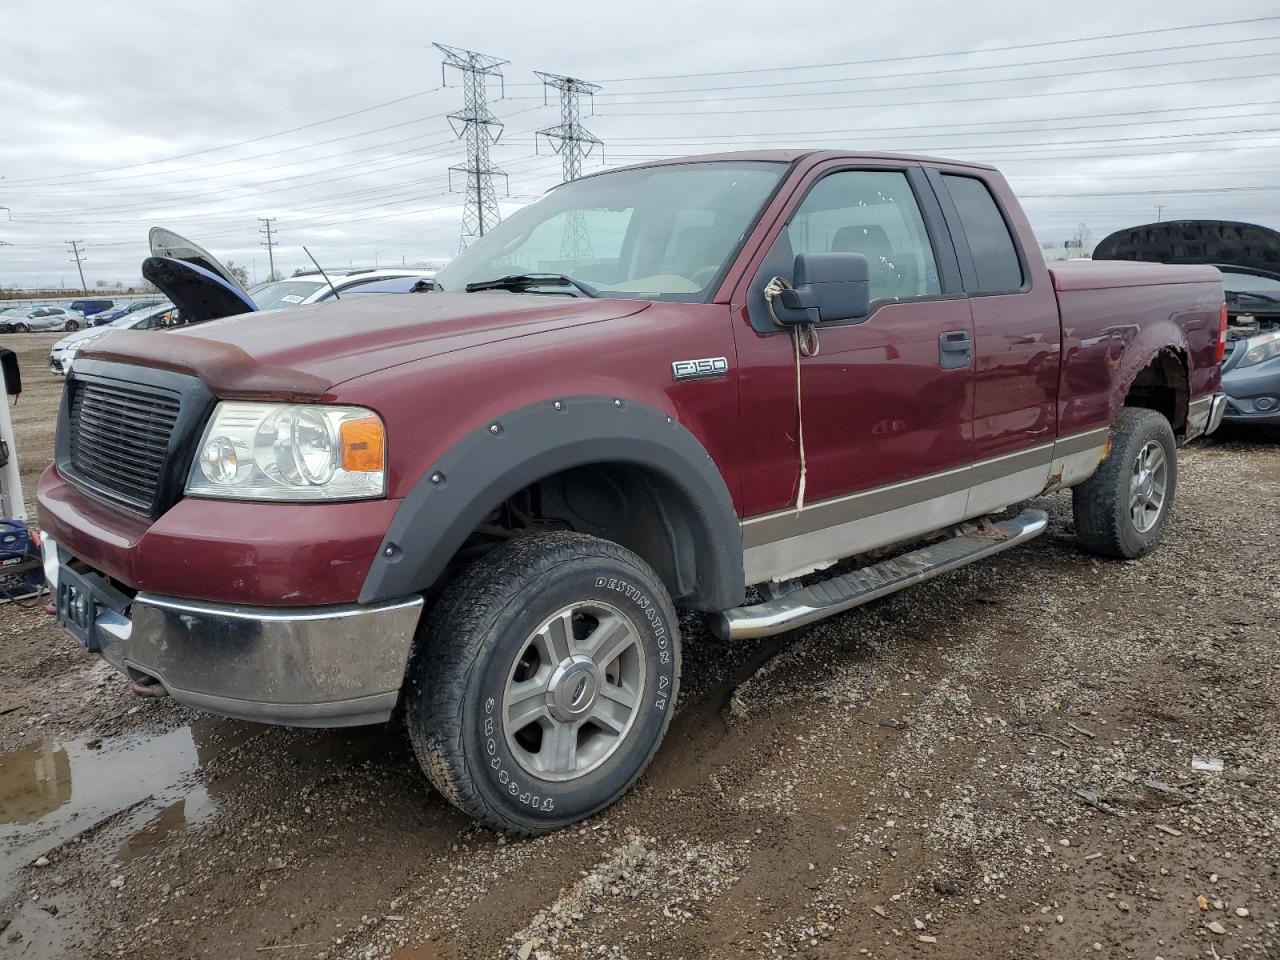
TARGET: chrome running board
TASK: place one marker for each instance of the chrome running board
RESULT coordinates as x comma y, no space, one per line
848,590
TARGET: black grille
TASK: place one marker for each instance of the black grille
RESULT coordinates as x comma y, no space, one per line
119,438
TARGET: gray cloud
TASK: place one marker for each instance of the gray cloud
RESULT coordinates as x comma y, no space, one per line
98,97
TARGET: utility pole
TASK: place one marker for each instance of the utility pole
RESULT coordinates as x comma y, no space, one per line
1159,212
269,242
476,124
574,143
78,258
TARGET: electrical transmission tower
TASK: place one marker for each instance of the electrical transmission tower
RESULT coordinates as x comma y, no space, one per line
269,241
574,143
78,258
476,124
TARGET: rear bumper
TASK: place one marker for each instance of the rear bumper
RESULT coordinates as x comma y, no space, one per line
324,666
1204,415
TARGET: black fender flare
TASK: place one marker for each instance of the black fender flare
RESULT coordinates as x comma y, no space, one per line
507,454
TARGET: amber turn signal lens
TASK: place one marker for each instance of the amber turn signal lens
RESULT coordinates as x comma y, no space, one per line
364,446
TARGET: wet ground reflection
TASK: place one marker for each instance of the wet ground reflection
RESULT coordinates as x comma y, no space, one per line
53,790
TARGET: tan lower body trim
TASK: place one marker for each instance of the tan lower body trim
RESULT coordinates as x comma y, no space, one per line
793,542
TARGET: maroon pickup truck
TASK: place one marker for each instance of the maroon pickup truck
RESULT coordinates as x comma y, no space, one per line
709,384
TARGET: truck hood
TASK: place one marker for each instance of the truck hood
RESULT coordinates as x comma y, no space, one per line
1220,243
302,352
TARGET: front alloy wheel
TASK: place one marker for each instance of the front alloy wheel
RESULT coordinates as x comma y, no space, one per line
574,691
544,681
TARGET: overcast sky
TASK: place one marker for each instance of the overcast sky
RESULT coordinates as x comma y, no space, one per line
330,117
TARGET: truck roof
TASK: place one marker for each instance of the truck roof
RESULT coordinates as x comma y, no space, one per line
791,156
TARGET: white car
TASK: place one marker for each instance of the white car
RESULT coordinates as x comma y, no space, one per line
162,317
313,287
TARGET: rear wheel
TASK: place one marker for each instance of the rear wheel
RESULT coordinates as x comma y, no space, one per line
544,681
21,328
1124,508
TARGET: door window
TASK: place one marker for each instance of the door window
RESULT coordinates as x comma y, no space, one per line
874,213
995,256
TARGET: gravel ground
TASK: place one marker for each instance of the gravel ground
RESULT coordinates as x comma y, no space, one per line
999,763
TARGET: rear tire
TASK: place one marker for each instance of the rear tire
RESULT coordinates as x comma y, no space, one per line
544,681
1124,508
21,328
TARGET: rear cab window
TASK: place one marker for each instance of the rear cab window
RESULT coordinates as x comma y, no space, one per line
996,261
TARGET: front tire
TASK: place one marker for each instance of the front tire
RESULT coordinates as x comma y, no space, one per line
71,326
21,328
544,681
1124,508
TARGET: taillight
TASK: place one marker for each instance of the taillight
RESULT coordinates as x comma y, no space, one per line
1221,350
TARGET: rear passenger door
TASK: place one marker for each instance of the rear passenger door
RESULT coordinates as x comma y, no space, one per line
1017,338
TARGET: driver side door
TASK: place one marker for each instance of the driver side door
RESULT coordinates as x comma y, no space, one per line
886,404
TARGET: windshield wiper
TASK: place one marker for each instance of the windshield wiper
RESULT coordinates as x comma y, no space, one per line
1266,298
522,281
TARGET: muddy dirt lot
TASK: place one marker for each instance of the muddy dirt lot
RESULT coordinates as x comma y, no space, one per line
1000,763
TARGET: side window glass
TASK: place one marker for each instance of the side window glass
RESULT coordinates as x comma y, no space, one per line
995,256
873,213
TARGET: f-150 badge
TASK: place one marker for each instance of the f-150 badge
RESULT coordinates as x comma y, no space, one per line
699,369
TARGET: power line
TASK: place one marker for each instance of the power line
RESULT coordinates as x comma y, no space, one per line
1022,95
476,124
972,69
238,143
788,134
951,83
951,53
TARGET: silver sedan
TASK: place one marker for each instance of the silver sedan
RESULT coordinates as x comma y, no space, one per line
47,318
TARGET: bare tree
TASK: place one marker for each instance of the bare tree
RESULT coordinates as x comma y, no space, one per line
239,272
1084,238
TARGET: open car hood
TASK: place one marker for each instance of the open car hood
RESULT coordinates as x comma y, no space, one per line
1247,247
193,279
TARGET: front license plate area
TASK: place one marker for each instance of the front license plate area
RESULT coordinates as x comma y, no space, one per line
81,600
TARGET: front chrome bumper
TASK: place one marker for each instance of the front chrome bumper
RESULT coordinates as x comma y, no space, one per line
330,666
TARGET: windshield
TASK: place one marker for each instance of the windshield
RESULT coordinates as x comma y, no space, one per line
658,233
1249,283
284,293
140,315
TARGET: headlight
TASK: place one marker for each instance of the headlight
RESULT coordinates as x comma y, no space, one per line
277,451
1263,347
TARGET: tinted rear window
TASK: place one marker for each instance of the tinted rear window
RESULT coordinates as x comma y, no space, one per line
995,256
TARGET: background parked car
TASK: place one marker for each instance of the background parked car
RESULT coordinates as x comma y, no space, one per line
160,316
115,313
1248,257
47,318
8,315
313,287
89,308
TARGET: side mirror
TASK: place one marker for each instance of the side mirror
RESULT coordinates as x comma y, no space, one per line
827,287
11,374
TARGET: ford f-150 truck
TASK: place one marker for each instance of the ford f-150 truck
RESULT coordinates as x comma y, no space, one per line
765,386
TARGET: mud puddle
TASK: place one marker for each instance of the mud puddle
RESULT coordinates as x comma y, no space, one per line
52,791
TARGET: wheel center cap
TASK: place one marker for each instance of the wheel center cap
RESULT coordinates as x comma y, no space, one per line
573,688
